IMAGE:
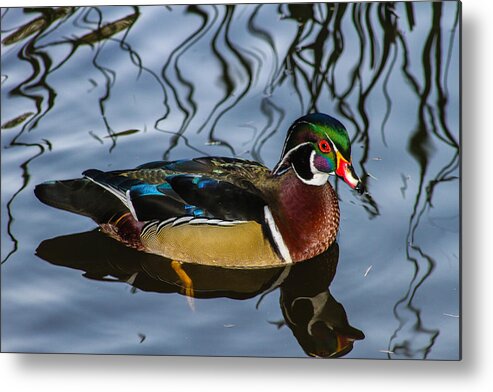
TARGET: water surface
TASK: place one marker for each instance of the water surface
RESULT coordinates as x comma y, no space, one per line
114,87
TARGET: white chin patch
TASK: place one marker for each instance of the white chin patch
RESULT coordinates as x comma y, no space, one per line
319,178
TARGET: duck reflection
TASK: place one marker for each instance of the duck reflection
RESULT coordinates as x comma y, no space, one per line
317,320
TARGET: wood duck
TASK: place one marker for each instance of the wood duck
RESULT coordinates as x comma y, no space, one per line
223,211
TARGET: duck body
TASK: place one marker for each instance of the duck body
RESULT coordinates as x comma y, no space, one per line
215,211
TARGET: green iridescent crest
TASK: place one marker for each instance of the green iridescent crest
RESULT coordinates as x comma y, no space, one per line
335,131
315,128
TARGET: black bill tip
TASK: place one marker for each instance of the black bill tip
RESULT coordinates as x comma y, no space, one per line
360,188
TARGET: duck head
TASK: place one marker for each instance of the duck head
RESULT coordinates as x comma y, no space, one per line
317,146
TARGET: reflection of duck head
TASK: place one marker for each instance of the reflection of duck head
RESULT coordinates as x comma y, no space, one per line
318,321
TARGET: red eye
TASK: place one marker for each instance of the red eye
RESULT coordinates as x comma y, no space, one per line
324,146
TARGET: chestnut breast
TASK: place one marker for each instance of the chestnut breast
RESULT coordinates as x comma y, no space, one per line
307,216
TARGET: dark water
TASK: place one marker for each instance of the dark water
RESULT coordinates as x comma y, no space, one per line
114,87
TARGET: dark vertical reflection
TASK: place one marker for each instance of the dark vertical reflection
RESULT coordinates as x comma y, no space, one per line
431,126
35,89
186,105
259,31
227,54
274,115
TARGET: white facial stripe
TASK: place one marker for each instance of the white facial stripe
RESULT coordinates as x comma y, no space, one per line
332,143
338,154
338,158
319,178
289,132
286,156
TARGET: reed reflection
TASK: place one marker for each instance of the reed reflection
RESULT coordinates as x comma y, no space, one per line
318,322
36,87
431,127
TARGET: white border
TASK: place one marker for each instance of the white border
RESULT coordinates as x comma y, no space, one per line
474,373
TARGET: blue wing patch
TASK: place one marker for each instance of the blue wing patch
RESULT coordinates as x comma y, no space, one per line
180,195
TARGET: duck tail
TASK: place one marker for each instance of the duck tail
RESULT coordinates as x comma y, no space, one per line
80,196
